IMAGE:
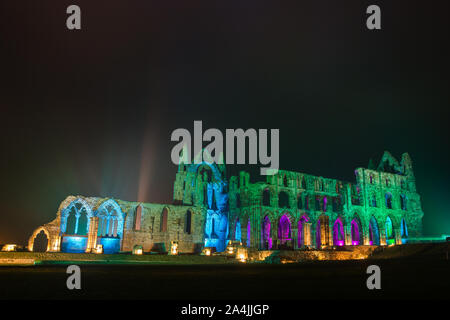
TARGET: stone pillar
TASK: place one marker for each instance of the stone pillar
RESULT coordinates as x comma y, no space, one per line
255,236
398,236
108,223
56,244
330,233
92,234
382,237
294,238
312,236
114,226
366,237
244,233
63,222
348,235
77,215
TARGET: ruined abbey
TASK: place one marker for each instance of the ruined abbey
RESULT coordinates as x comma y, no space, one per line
290,210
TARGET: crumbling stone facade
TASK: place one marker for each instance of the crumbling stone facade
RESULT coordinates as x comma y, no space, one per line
289,210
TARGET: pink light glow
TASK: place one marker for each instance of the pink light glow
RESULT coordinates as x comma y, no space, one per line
371,242
355,243
340,243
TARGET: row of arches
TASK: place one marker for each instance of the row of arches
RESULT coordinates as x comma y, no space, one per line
75,218
321,203
321,231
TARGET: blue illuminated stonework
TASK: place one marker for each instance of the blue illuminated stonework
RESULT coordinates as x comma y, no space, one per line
74,244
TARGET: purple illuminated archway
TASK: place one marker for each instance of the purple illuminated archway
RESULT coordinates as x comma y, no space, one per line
338,233
356,232
301,234
284,229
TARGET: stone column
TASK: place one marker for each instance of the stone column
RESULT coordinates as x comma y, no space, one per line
54,244
366,237
77,215
330,233
294,237
398,236
348,235
92,234
63,222
382,236
108,223
312,237
255,235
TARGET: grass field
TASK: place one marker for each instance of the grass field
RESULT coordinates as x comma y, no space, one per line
422,273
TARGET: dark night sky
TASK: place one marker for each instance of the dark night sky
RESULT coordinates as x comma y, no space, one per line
91,112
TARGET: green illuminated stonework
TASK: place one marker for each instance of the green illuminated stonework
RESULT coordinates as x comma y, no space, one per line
289,210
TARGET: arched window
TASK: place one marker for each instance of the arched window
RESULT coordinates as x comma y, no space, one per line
71,221
307,202
374,201
137,218
285,181
388,197
403,201
188,222
303,183
238,200
40,242
283,200
324,203
299,202
403,229
266,198
206,173
390,234
371,179
164,217
82,223
317,203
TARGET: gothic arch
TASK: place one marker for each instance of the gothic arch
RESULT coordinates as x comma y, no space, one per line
357,230
389,230
73,205
338,231
34,235
284,228
374,231
110,210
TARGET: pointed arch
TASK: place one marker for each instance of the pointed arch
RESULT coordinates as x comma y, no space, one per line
403,230
111,219
35,234
266,197
390,231
71,214
356,229
338,232
284,229
374,232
